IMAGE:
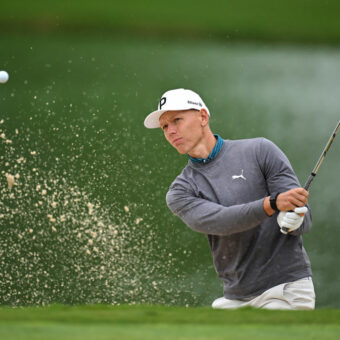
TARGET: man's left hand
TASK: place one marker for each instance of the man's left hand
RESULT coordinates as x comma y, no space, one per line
290,221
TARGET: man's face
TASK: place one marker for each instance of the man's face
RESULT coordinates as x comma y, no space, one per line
182,129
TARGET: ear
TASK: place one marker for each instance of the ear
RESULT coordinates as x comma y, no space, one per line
204,117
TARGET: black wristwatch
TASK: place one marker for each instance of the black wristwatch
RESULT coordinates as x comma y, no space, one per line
272,200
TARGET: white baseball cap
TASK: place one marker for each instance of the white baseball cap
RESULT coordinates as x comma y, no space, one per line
175,100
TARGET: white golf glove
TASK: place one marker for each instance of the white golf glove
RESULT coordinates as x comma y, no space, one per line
290,220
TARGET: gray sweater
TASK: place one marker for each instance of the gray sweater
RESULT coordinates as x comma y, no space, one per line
224,200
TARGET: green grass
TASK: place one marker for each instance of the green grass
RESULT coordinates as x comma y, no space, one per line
159,322
54,331
291,20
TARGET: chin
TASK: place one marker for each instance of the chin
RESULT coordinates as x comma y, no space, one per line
182,151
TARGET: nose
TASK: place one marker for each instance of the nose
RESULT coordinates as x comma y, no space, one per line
171,129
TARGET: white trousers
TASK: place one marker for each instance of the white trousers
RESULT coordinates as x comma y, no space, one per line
292,295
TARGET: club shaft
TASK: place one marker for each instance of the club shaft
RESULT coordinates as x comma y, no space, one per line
322,157
319,162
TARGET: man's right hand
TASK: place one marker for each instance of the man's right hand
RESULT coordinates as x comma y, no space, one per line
289,200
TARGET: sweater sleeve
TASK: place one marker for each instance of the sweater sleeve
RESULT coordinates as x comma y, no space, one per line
280,176
212,218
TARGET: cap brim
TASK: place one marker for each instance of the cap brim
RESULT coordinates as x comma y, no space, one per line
152,120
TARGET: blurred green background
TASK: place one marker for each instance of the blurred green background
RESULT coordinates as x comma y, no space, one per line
86,221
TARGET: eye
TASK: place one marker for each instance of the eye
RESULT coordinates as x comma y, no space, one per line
164,126
177,119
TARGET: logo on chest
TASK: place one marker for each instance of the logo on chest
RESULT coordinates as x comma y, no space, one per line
239,176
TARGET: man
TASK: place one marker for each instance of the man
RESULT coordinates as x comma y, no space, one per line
244,195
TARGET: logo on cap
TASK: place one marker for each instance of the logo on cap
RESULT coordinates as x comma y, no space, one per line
162,102
190,102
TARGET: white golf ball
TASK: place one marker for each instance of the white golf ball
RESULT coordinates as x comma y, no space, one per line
3,77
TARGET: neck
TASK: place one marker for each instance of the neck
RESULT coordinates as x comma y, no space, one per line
204,147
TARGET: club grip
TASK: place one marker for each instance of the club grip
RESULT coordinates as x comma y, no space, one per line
309,181
284,230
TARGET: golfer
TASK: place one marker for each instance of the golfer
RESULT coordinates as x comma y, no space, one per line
245,196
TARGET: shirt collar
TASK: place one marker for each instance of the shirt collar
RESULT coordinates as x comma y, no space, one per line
217,148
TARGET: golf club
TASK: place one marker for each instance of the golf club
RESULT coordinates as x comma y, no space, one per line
318,164
322,157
